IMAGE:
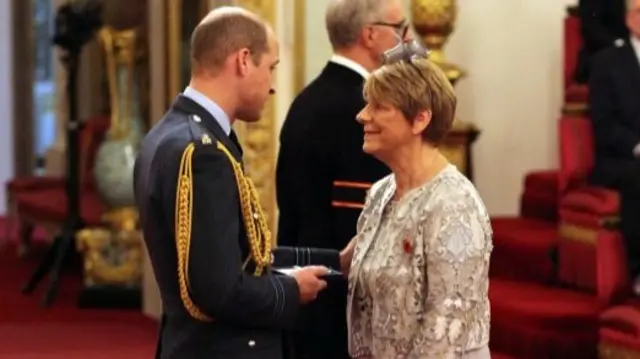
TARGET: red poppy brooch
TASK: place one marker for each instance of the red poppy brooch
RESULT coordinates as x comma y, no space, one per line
407,245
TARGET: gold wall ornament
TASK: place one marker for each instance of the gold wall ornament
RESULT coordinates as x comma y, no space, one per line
112,255
434,21
258,139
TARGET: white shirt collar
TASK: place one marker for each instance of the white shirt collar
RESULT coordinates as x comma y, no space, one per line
635,44
350,64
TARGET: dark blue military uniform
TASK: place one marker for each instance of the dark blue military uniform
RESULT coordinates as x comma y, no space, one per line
214,306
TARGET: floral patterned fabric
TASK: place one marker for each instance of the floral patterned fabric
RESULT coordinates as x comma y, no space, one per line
418,285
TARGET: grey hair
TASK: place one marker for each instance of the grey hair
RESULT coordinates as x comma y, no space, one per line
345,19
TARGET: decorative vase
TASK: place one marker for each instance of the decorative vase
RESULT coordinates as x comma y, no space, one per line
434,21
115,159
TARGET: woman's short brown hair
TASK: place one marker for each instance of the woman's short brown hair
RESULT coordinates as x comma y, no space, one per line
414,87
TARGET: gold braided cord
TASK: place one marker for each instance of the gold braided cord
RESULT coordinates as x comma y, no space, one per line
184,212
253,216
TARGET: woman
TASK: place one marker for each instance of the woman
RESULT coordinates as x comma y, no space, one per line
418,278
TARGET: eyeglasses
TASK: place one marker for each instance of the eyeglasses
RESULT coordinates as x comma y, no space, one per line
401,28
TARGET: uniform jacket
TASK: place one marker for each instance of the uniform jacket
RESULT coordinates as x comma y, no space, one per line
249,312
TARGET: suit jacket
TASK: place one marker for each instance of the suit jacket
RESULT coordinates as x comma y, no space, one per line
601,23
321,143
249,313
419,278
614,105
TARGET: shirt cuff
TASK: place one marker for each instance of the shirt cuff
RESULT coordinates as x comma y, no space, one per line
636,150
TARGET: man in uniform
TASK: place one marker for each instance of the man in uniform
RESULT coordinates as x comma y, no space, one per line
322,173
203,227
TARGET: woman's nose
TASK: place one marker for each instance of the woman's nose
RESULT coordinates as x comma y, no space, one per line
360,117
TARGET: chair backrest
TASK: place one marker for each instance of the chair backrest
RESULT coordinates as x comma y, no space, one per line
576,151
572,44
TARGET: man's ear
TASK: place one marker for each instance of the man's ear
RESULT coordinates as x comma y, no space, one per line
242,61
368,36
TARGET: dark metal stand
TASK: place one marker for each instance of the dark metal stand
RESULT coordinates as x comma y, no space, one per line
63,242
76,24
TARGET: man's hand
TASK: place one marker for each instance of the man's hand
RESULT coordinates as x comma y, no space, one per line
309,282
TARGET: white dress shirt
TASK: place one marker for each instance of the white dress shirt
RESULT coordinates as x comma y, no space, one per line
635,44
350,64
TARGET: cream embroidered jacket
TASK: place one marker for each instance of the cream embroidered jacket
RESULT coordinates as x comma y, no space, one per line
419,276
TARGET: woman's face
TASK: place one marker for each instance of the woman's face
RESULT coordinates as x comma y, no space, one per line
386,129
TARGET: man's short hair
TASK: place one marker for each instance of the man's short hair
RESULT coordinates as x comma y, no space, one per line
345,19
224,31
412,88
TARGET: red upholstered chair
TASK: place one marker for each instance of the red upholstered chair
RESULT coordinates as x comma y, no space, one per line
537,320
591,251
46,205
620,333
23,185
540,196
523,244
575,95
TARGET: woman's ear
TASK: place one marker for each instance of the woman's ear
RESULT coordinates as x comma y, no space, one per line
421,121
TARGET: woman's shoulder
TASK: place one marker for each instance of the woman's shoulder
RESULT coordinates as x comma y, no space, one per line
453,191
380,186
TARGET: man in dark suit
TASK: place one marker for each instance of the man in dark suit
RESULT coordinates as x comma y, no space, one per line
322,173
602,25
614,102
220,299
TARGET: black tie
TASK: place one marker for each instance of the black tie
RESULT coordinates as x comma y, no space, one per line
234,140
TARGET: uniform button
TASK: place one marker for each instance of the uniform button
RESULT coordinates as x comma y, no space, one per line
196,118
252,343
